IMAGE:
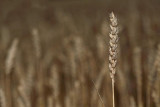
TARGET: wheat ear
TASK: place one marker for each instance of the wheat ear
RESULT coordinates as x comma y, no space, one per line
11,55
113,50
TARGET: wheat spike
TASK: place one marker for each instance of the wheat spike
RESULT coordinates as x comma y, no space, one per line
113,43
11,56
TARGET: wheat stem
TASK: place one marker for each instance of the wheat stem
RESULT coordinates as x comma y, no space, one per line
98,93
113,93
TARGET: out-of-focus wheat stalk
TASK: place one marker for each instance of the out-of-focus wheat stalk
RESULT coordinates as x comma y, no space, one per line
20,102
98,94
156,98
2,98
39,67
152,76
98,84
155,79
132,102
23,94
55,83
113,50
11,55
138,70
8,67
50,101
36,41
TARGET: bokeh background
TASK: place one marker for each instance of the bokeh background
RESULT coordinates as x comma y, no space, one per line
54,53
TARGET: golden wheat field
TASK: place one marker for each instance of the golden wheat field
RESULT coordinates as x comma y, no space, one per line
70,53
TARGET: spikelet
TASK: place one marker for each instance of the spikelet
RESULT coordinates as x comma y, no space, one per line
113,45
11,55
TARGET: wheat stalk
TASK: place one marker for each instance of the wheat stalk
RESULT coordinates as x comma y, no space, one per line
152,76
98,93
2,98
113,50
138,70
132,102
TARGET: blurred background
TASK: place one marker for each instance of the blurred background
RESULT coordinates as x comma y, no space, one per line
52,50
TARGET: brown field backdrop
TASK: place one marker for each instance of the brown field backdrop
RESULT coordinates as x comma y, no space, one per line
52,50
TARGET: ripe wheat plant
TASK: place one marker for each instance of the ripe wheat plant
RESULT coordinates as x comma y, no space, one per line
113,43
